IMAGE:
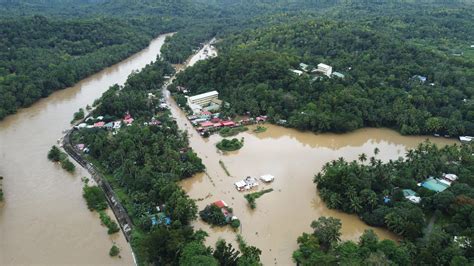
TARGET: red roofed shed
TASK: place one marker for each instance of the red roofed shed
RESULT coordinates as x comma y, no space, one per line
220,204
207,124
228,123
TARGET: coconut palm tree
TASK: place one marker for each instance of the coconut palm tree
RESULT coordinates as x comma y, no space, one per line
362,157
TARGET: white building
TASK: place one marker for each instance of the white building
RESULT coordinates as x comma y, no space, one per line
203,99
297,72
325,69
267,178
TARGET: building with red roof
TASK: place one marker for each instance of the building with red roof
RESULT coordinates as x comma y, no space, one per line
228,123
207,124
99,124
220,204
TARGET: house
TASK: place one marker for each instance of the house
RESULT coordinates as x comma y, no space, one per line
203,99
246,184
207,124
338,75
261,118
81,125
434,184
466,138
304,67
128,119
215,120
220,204
240,185
224,209
160,218
411,196
450,177
109,125
267,178
297,72
422,79
196,108
324,69
117,124
228,123
99,124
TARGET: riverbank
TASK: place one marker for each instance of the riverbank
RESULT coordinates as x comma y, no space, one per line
293,157
46,213
276,223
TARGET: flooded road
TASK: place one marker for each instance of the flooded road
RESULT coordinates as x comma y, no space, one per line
44,219
293,157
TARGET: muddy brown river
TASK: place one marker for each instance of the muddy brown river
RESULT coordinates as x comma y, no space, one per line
293,157
44,219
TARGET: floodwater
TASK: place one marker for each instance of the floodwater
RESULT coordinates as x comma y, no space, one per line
293,157
44,219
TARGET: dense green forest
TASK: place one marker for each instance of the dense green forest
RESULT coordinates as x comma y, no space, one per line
380,87
374,191
40,55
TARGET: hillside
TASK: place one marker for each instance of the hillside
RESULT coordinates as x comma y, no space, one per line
382,85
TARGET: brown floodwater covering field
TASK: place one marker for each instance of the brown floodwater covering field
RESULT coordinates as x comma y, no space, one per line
293,157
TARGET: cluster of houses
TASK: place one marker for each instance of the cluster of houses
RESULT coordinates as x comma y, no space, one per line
439,184
101,122
433,184
251,182
207,119
321,70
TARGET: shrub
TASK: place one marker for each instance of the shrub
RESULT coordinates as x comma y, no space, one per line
107,221
94,197
78,115
230,145
253,196
114,251
67,165
235,223
55,154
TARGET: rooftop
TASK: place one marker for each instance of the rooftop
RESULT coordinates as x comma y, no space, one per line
203,95
434,185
